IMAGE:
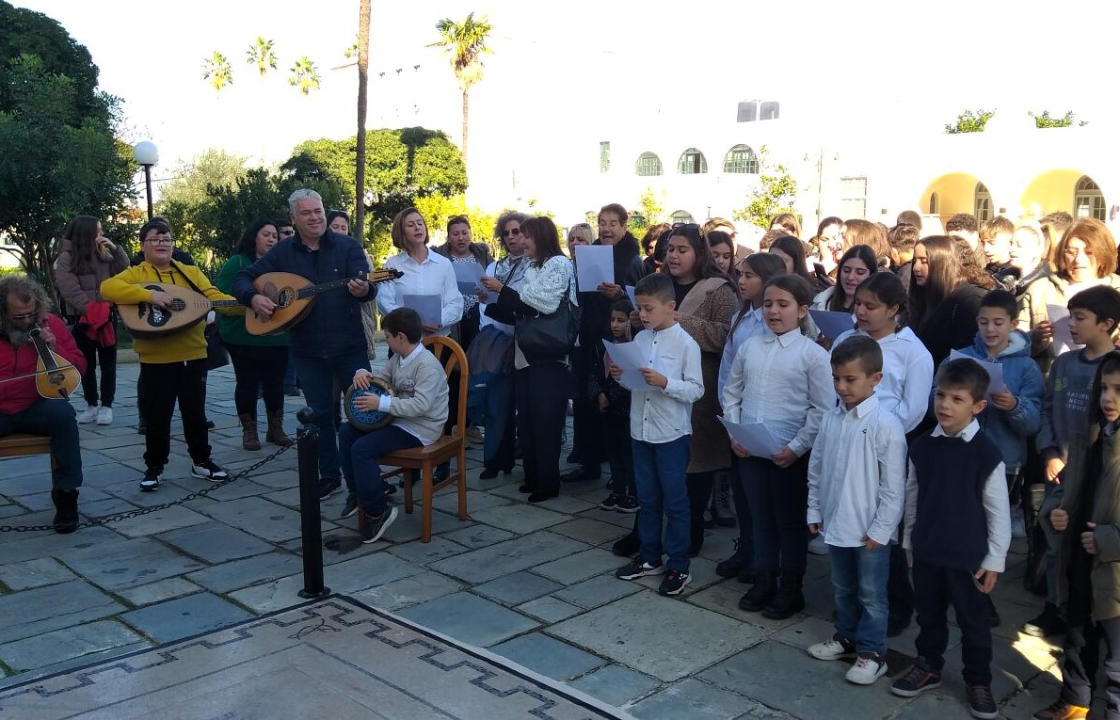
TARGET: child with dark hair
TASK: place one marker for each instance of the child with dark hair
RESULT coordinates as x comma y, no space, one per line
613,401
957,529
419,409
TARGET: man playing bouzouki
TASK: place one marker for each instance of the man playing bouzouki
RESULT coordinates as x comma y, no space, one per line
23,307
172,366
328,345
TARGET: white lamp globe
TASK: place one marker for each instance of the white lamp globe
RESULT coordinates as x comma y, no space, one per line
146,153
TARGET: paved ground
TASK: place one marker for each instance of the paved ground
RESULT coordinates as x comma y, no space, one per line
532,583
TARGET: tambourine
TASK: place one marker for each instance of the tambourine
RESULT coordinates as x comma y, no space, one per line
362,419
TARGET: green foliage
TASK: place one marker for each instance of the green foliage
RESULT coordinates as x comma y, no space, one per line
304,75
970,121
649,213
776,193
465,43
262,55
1043,120
218,71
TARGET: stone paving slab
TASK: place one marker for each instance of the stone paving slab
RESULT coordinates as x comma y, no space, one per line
548,656
516,588
215,542
616,684
699,701
549,609
579,566
128,563
494,561
518,518
159,591
34,573
268,520
158,522
66,644
175,619
412,590
52,607
470,619
247,571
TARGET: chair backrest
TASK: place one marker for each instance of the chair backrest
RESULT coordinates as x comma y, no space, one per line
451,354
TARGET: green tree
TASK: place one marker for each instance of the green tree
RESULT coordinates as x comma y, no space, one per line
776,193
304,75
261,54
465,43
217,70
60,154
1044,120
970,121
186,193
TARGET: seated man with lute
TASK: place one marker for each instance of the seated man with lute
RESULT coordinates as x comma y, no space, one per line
172,365
39,366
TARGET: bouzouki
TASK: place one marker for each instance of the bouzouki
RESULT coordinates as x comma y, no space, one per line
148,320
294,296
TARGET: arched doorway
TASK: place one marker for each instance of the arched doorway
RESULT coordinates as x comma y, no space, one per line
1064,189
954,193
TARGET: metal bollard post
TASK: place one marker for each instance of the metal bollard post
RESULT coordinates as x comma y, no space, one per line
307,444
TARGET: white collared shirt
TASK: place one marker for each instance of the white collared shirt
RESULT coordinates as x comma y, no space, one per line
907,375
997,508
784,381
748,327
433,276
856,480
662,415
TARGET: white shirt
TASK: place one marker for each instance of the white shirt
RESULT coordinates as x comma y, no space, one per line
750,326
433,276
662,415
996,505
784,381
856,477
907,375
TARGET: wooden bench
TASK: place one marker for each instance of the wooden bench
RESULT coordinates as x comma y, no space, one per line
19,444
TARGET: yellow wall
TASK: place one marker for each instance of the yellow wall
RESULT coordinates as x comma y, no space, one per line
956,191
1051,191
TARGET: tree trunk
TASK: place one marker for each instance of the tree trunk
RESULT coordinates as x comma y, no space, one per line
466,116
359,227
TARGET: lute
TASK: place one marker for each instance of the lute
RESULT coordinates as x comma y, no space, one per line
295,295
148,320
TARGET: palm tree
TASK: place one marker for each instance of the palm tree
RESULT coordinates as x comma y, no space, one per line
262,55
305,75
464,43
360,159
217,70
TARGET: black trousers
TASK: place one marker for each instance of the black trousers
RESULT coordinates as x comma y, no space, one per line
699,495
258,368
164,383
900,593
96,355
935,589
587,421
739,472
619,454
1081,658
777,498
542,400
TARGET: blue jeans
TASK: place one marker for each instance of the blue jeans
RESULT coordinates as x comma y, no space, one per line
57,419
859,588
496,414
659,473
361,454
317,375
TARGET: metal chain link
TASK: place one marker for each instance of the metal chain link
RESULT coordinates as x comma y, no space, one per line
129,514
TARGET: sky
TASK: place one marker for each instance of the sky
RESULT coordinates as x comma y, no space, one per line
565,75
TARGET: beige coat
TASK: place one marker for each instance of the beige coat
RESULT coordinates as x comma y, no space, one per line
1047,290
706,314
77,290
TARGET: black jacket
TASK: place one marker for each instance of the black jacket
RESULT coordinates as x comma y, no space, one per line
596,309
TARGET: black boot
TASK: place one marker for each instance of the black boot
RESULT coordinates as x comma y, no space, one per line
627,545
760,594
66,511
733,565
787,601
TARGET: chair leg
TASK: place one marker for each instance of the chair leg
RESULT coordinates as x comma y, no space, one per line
407,477
426,498
462,483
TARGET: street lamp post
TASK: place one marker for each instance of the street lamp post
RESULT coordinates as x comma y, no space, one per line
146,155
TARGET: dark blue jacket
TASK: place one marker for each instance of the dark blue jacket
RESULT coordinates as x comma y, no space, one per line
334,324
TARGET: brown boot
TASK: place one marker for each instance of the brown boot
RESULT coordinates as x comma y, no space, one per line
249,439
276,432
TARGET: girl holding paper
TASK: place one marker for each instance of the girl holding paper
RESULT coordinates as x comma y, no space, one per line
425,274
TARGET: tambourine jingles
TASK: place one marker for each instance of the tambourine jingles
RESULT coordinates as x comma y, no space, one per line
367,420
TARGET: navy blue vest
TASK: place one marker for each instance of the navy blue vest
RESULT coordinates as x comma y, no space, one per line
951,529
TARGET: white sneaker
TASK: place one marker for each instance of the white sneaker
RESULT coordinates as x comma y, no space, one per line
88,415
1018,526
817,545
104,415
832,649
866,670
475,436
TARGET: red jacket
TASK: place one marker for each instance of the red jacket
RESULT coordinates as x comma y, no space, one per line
19,395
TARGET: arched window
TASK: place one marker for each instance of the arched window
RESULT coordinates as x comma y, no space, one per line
982,208
770,111
1088,200
934,204
681,217
692,162
740,159
648,165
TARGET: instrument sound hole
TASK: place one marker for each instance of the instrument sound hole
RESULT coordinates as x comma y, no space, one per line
285,297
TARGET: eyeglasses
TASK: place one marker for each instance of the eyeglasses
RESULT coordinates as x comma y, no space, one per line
160,240
512,232
25,316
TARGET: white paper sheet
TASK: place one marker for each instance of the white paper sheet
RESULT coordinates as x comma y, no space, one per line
428,307
995,371
467,275
755,437
1059,320
633,298
831,323
594,266
628,357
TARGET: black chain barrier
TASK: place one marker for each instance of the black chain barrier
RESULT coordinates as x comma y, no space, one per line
129,514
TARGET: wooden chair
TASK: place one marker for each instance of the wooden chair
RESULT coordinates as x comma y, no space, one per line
425,459
19,444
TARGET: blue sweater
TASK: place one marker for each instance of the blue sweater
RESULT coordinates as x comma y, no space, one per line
1009,429
334,324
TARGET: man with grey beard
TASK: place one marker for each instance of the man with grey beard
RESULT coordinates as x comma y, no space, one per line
24,307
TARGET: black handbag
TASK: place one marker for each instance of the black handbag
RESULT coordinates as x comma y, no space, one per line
549,337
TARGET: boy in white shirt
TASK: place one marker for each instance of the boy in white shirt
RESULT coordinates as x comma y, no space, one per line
856,489
661,428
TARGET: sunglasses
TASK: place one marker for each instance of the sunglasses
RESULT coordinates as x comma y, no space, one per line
512,232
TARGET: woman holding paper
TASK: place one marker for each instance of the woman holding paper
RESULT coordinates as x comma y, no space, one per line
428,283
469,261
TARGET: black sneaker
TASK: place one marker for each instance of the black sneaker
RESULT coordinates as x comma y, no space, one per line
611,501
207,470
327,487
674,583
376,527
1049,623
980,702
627,504
918,679
350,507
637,568
150,481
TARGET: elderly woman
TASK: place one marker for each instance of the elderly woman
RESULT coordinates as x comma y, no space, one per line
540,383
